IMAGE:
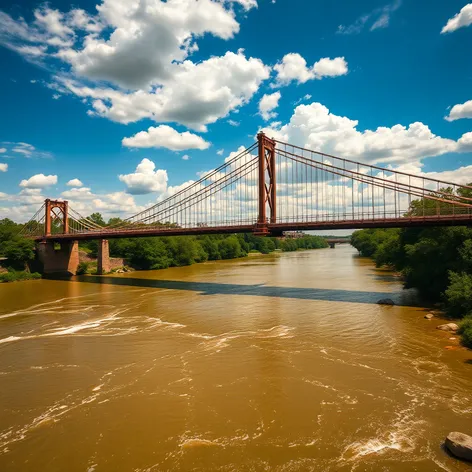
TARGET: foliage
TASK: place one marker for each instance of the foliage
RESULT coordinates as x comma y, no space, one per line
465,330
14,276
459,294
18,250
83,268
436,261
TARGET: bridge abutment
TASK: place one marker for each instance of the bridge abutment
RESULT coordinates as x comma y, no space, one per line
103,257
58,261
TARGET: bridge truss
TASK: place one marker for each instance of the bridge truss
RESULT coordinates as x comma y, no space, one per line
271,187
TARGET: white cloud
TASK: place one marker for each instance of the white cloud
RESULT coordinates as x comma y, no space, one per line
111,61
52,21
39,181
293,67
83,193
185,157
3,150
330,67
166,137
247,4
234,123
463,110
314,127
220,152
377,18
3,167
74,183
197,95
465,142
129,57
461,20
25,149
267,104
145,179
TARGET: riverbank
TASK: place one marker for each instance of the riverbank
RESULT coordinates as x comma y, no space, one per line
435,261
164,252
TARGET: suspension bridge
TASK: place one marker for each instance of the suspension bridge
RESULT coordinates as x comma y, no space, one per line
269,188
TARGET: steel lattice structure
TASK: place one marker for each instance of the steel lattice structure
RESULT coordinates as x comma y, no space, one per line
272,187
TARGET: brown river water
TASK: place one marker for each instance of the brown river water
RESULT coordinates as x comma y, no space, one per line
273,363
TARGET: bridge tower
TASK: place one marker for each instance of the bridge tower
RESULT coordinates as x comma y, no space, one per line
57,258
56,211
267,185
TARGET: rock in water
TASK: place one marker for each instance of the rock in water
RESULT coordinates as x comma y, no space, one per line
386,301
448,327
460,445
429,316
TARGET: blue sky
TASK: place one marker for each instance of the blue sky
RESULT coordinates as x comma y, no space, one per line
79,83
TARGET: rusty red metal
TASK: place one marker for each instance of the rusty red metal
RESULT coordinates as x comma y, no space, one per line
326,194
272,229
56,210
267,182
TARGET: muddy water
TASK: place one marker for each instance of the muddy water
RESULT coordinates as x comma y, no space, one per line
280,363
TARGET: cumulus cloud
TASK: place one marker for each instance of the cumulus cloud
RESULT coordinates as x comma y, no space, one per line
315,127
461,20
267,104
198,94
377,19
293,67
460,111
39,181
74,183
145,179
3,167
117,47
166,137
83,193
3,150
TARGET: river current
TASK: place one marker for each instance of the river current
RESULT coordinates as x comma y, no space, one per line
273,363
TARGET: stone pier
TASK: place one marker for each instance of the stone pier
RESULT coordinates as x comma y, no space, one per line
58,258
103,257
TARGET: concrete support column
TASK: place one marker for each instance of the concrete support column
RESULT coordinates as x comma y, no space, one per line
103,257
61,261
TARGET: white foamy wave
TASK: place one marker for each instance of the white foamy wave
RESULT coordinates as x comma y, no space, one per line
401,436
10,339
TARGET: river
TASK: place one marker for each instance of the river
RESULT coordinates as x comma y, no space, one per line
273,363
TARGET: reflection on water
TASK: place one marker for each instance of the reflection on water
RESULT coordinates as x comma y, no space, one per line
273,363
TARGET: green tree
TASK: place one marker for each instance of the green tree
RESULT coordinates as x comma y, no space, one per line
19,252
97,218
459,294
230,248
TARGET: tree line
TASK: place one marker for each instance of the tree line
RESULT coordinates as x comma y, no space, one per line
175,251
149,253
435,261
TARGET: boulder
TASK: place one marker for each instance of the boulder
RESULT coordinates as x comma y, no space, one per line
386,301
448,327
459,445
429,316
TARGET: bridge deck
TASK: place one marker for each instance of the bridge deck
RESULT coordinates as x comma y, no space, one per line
274,229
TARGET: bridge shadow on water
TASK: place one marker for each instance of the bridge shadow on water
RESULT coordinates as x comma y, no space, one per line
401,298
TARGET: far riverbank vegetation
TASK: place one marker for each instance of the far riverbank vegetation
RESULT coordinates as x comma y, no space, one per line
435,261
18,254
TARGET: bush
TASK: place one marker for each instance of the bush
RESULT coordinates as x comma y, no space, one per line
15,276
465,330
83,268
459,294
